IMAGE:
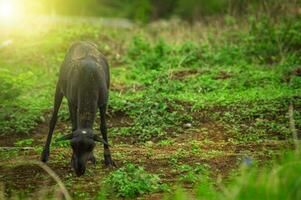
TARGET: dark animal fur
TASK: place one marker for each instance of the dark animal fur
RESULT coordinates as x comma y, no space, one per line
84,80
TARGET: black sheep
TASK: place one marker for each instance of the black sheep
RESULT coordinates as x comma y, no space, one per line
84,80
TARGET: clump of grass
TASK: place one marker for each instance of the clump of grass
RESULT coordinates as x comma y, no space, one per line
193,174
281,181
148,56
131,181
12,86
56,143
153,115
270,42
24,142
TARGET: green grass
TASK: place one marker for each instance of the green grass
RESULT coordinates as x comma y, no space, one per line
224,77
279,181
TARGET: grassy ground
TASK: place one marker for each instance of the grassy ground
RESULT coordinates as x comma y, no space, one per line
187,102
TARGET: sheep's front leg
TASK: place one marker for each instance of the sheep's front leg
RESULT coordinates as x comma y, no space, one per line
57,103
73,115
103,128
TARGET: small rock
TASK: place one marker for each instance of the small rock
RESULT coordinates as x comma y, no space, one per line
187,125
247,161
149,143
42,119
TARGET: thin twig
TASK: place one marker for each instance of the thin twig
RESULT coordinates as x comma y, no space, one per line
292,125
183,59
16,148
56,178
52,174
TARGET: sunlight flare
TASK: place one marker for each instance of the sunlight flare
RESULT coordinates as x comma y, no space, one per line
6,9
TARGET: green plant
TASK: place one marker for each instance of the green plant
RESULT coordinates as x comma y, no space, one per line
279,181
24,142
166,142
193,174
131,181
271,42
63,143
147,56
13,84
151,116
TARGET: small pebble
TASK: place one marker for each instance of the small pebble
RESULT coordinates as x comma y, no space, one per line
149,143
248,161
188,125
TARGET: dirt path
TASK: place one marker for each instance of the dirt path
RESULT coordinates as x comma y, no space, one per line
207,145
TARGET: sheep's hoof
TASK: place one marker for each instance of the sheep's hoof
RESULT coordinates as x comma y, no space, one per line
108,161
92,159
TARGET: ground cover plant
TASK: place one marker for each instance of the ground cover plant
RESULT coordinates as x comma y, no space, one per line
186,107
253,183
131,181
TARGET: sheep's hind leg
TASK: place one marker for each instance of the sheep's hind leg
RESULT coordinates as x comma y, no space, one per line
92,158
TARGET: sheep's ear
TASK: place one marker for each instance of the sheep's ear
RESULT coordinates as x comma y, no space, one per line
65,137
98,139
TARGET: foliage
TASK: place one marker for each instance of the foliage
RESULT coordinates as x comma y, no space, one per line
222,78
193,174
152,112
12,85
238,92
148,10
193,9
276,182
25,142
270,42
62,143
131,180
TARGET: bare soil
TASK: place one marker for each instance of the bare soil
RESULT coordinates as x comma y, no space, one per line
180,75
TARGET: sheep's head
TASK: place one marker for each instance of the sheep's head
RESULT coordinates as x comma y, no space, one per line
82,142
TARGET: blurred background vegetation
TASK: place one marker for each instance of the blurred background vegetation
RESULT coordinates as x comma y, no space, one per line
150,10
